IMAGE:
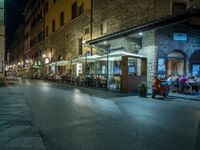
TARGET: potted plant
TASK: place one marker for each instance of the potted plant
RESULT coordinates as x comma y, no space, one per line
143,89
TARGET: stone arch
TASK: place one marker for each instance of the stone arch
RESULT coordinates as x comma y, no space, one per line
60,57
195,56
176,62
178,53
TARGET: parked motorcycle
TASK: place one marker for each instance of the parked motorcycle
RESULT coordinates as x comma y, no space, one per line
162,90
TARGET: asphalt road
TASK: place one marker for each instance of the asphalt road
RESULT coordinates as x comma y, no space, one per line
86,119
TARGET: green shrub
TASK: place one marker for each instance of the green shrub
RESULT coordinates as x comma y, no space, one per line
142,86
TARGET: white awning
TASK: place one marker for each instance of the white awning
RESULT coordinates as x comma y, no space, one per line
84,59
60,63
117,56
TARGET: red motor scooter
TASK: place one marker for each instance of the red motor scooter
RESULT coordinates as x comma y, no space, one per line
162,90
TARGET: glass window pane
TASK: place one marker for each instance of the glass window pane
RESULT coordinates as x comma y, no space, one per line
1,3
1,16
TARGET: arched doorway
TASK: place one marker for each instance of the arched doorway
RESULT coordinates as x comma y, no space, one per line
195,63
176,63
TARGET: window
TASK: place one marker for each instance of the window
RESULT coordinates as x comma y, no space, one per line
81,9
54,1
80,49
47,30
2,4
53,26
178,8
1,16
43,34
196,69
46,7
38,4
40,36
77,10
87,30
74,10
62,18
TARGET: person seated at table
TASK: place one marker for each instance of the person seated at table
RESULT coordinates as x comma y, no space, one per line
196,78
182,83
51,75
175,83
190,81
58,76
196,85
169,81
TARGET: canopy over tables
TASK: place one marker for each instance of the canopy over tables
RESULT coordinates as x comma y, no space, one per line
36,67
117,56
84,59
60,63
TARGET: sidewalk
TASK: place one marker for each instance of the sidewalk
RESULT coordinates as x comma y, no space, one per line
16,130
184,96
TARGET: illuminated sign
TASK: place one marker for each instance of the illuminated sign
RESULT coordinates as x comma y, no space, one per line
180,36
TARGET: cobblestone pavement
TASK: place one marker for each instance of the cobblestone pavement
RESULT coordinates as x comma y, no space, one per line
16,130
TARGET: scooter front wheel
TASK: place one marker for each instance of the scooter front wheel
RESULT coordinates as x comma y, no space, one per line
165,95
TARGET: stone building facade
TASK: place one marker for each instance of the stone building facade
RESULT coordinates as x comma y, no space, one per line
167,45
34,33
17,55
2,41
55,30
116,15
113,19
62,27
65,41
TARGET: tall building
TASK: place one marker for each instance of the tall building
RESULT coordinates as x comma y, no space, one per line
2,38
17,51
55,30
34,33
67,26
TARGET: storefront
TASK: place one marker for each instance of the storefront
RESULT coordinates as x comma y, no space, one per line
169,44
173,63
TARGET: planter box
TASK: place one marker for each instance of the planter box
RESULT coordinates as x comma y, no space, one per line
143,93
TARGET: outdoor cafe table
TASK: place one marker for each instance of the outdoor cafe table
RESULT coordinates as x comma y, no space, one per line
195,86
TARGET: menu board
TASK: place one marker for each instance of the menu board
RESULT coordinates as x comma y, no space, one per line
161,66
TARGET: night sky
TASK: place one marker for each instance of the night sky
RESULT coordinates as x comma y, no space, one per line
14,17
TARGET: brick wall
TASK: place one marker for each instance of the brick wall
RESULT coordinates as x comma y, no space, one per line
165,43
122,14
149,50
